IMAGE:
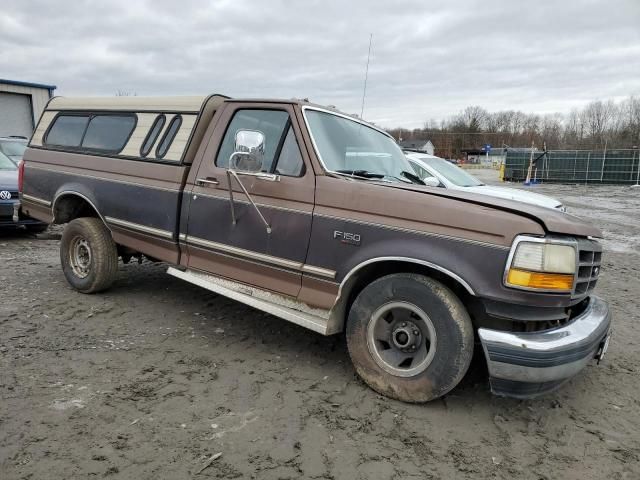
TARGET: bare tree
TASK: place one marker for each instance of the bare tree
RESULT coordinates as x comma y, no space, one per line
598,122
630,115
474,118
598,118
574,128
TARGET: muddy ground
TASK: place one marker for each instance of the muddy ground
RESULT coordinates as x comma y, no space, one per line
152,378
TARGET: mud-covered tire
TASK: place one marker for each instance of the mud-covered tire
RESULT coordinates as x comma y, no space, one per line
447,323
88,255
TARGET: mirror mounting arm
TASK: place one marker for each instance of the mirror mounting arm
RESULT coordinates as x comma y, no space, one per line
231,203
232,173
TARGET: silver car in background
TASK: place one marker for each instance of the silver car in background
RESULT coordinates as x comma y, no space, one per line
13,147
438,172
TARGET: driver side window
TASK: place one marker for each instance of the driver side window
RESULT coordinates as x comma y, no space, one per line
282,153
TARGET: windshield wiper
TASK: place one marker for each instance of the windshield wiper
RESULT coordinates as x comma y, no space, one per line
414,178
377,176
361,173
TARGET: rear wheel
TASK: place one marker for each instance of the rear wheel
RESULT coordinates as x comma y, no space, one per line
88,255
409,337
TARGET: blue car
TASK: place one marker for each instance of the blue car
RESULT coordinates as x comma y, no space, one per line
9,198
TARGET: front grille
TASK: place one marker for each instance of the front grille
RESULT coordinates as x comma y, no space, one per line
589,260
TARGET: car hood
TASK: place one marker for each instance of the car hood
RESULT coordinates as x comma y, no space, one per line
515,194
552,220
9,180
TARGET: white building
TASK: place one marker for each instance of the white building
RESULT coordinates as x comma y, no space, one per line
21,104
419,145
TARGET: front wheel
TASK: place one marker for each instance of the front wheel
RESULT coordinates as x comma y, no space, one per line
88,255
409,337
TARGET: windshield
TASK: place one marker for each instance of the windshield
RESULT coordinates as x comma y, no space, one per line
451,172
6,163
13,148
348,146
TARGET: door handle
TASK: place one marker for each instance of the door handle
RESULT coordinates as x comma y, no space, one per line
203,182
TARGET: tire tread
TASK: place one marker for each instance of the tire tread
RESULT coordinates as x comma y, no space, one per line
103,250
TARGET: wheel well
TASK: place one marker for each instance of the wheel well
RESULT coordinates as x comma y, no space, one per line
369,273
72,206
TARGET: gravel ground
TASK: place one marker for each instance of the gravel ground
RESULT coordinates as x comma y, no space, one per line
152,378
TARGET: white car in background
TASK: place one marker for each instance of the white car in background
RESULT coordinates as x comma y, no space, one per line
437,172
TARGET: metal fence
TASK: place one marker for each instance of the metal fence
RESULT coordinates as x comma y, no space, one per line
613,166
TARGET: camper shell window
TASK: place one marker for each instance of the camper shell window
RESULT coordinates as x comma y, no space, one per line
169,135
152,136
102,133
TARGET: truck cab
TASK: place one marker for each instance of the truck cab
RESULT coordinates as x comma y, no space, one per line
314,216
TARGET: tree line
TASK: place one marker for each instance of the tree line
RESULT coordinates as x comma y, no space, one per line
600,124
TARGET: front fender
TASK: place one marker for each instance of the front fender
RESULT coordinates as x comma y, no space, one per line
478,266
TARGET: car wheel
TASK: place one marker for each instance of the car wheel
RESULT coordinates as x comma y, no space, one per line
409,337
88,255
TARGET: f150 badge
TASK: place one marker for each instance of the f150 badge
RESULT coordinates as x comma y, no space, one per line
347,237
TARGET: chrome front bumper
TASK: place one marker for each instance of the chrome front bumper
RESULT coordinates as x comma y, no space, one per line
525,365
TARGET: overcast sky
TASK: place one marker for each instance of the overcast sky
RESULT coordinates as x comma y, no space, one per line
429,59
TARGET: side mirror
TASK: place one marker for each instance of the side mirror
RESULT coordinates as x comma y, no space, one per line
431,181
248,154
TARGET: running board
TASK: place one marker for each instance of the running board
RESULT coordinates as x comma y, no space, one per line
278,305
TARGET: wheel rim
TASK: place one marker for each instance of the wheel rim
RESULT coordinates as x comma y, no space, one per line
401,338
80,257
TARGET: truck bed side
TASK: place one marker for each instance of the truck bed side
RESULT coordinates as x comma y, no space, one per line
137,197
138,201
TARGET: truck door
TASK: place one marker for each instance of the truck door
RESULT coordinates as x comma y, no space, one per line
267,244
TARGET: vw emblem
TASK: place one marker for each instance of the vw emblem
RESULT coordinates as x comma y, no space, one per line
4,195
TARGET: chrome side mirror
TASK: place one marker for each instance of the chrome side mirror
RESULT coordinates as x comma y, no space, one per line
247,159
248,154
431,181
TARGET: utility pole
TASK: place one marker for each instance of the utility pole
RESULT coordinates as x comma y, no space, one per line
638,173
528,179
604,159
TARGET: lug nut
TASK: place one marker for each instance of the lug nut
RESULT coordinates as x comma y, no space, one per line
416,333
404,324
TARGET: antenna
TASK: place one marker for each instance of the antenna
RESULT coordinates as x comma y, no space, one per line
366,74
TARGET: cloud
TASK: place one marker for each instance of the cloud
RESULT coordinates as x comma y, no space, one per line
429,59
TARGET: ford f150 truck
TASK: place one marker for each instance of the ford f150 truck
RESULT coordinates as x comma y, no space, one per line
315,217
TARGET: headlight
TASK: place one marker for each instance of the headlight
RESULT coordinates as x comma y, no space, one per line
541,264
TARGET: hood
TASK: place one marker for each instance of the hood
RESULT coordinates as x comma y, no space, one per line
9,180
515,194
552,220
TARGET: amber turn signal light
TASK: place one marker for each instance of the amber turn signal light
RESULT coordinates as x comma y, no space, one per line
543,281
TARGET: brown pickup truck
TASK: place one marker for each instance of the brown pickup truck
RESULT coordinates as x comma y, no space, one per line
315,217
